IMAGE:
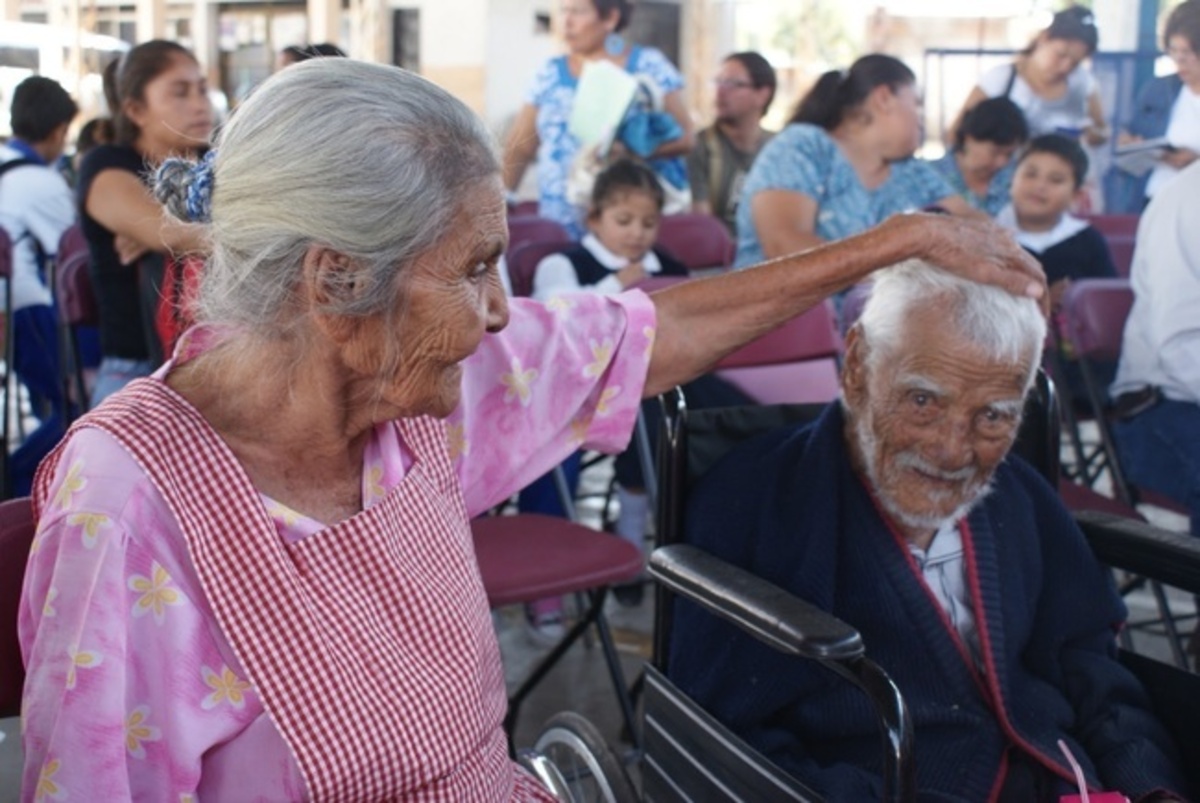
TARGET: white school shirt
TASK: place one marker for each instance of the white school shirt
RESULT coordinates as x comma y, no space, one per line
35,204
1038,241
555,275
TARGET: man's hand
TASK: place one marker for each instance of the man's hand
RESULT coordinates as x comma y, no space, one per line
1179,158
978,250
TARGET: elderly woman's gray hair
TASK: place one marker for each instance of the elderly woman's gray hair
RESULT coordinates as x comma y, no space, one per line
1005,327
369,160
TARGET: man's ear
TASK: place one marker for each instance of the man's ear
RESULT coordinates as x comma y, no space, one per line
854,368
329,277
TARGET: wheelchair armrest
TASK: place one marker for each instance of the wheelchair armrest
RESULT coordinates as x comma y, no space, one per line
1135,546
765,611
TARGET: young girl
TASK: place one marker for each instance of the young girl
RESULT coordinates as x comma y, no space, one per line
618,250
617,253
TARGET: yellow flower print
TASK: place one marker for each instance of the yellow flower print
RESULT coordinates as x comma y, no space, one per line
559,305
456,440
226,688
72,484
187,797
580,427
82,659
649,332
375,483
518,382
48,607
156,593
92,524
284,513
608,395
46,787
137,731
602,353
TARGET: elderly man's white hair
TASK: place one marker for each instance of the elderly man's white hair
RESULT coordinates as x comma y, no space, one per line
1005,327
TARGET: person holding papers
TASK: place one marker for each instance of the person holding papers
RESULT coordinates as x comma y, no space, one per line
542,129
1168,107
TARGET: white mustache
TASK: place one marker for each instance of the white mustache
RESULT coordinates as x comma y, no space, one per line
914,460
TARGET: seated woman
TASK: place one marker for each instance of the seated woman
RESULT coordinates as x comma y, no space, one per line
253,576
980,165
843,165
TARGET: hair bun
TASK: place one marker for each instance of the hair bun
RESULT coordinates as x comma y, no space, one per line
185,188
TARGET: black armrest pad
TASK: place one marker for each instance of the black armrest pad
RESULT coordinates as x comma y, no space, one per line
765,611
1135,546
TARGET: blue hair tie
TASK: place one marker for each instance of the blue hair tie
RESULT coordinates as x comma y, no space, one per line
199,189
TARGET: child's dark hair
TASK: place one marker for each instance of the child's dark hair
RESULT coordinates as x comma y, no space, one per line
997,120
625,175
1065,148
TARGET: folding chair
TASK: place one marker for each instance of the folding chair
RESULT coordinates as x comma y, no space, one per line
700,242
1094,313
76,302
528,556
1121,233
16,536
524,229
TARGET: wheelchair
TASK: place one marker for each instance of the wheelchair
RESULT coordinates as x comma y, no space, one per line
687,755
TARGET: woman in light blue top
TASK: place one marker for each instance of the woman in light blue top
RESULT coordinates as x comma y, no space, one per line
591,30
843,165
980,165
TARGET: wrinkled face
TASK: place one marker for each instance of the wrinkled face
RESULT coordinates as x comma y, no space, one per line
175,114
901,112
930,424
737,98
583,28
1043,187
1185,58
1055,59
628,224
410,363
983,159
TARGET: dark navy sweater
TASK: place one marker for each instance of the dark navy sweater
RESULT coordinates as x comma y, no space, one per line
789,507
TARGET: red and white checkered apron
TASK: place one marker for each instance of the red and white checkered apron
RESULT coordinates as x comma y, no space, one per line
370,642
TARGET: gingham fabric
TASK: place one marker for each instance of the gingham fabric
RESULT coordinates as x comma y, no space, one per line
370,643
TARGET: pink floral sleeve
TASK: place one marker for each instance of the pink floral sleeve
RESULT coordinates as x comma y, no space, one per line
562,376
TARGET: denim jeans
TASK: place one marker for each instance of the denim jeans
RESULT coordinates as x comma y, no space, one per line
1160,449
115,373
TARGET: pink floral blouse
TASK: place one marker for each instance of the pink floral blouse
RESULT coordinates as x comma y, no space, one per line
133,692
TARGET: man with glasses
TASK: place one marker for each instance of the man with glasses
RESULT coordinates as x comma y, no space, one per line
724,151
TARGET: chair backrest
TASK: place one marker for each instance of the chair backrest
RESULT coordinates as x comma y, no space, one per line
73,280
698,241
523,262
1093,316
16,535
524,229
523,209
810,336
1118,225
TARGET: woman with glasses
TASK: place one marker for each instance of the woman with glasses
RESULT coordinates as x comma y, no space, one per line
1169,106
541,131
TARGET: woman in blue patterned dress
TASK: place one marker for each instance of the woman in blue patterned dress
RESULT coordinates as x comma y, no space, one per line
591,30
844,164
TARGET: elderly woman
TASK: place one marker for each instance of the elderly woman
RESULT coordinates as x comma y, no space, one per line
253,575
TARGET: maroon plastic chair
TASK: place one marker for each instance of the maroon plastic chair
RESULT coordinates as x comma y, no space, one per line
523,262
699,241
16,535
794,364
528,556
1093,318
523,229
1120,231
76,303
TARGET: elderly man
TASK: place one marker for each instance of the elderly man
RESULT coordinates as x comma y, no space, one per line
898,512
723,153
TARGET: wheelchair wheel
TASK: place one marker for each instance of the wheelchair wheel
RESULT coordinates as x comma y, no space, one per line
591,770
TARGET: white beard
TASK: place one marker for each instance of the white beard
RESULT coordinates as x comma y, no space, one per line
867,443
